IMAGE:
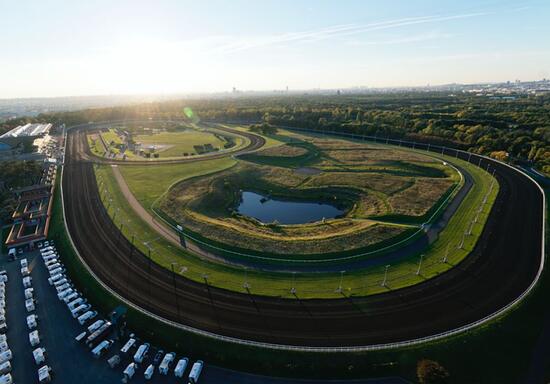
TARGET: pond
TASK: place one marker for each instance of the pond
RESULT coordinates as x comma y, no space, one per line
285,211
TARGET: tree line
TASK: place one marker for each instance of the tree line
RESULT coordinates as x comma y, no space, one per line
514,130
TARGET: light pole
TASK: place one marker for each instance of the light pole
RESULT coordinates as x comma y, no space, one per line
339,289
175,290
385,276
419,265
293,288
446,254
246,285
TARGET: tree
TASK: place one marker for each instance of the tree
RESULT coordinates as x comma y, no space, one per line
431,372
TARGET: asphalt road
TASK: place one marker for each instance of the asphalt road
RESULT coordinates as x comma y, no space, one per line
503,264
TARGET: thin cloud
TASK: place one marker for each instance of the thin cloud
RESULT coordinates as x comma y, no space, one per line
237,44
402,40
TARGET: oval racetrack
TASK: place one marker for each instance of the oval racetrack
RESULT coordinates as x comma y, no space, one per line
504,263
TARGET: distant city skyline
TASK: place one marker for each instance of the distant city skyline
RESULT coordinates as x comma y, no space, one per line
63,48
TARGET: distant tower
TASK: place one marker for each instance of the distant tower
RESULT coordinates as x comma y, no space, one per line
234,90
338,92
287,89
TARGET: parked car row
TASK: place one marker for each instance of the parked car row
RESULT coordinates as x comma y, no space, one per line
138,353
96,332
39,353
5,351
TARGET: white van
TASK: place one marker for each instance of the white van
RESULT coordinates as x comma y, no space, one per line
24,262
4,346
12,254
5,367
66,293
54,278
70,296
148,374
34,339
52,256
27,281
141,353
29,304
180,367
51,262
44,375
6,379
32,321
129,344
129,372
54,266
75,303
25,271
80,310
39,355
95,326
101,348
5,356
195,373
164,366
63,287
64,279
87,316
29,293
56,271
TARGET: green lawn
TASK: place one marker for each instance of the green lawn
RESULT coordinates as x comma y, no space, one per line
149,183
95,144
110,136
179,143
499,352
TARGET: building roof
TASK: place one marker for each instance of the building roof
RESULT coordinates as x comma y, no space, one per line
27,130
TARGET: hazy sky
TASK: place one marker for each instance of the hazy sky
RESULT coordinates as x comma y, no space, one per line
55,48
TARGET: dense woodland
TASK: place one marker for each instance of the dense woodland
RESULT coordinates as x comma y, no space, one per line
13,175
516,130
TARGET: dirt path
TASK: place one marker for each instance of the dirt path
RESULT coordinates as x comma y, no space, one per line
160,228
142,212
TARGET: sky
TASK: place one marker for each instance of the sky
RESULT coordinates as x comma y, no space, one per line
97,47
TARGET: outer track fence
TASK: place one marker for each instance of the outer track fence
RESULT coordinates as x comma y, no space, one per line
482,160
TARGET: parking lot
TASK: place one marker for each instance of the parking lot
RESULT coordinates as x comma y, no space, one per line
72,361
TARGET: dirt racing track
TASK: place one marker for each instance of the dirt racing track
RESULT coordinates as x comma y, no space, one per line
505,263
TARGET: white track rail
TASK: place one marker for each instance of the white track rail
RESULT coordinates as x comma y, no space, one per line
360,348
